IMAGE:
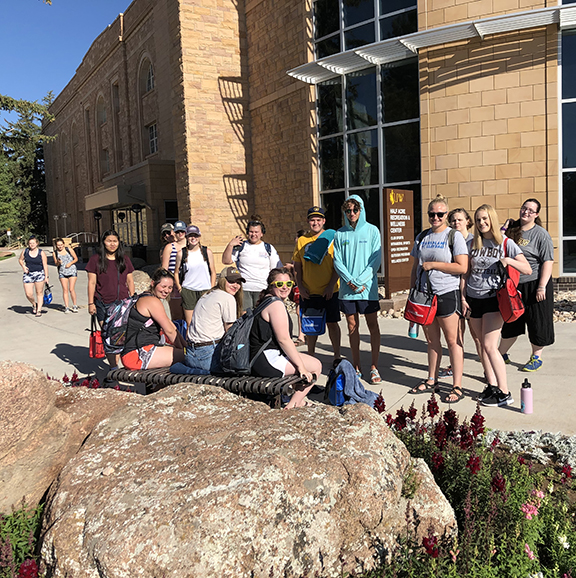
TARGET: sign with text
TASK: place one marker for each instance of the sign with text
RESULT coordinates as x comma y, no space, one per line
398,222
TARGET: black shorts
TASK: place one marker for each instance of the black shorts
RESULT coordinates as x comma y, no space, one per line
364,307
538,316
332,306
479,307
101,310
449,303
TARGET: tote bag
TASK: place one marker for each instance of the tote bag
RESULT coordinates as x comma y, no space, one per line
509,298
421,305
313,318
96,348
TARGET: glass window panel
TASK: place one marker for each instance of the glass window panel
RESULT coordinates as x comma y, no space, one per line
400,93
387,6
330,107
371,198
569,65
359,36
331,156
332,204
401,151
356,11
326,17
569,204
361,101
398,25
363,158
328,46
568,131
569,257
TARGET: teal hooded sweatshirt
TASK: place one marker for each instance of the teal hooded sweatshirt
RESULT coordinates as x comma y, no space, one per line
357,256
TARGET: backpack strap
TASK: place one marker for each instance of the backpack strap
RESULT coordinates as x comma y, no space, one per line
265,302
204,251
183,265
268,248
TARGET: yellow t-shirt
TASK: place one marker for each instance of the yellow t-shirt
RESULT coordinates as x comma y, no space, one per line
315,277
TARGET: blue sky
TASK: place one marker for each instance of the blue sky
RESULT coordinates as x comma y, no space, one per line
43,45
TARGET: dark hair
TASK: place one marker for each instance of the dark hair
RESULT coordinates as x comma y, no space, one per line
160,274
33,237
300,233
354,202
118,255
514,231
464,212
55,253
276,272
256,221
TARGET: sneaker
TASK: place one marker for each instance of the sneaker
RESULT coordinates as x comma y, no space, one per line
506,359
446,372
66,310
75,309
498,399
534,364
489,390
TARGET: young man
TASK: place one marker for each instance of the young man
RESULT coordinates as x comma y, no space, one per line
357,248
318,282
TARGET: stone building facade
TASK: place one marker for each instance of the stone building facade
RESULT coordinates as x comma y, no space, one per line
211,111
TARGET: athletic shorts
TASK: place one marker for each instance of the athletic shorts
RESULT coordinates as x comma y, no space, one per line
101,310
138,358
270,363
364,307
538,316
332,306
449,303
34,277
190,298
479,307
67,275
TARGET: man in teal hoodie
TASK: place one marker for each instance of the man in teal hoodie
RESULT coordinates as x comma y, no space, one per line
357,255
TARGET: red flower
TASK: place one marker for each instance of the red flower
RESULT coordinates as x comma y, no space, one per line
432,407
437,461
380,404
498,483
521,460
466,437
567,470
74,377
28,569
400,421
65,379
94,383
389,420
477,423
430,544
474,464
451,422
85,382
439,434
412,411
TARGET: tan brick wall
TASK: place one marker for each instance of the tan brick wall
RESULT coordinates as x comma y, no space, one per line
490,123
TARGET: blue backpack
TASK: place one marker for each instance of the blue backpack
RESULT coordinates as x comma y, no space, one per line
334,390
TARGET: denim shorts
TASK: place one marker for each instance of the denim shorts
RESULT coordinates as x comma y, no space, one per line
197,360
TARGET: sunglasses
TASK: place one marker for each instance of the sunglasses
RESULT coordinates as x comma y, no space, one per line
180,232
528,211
279,284
349,211
432,214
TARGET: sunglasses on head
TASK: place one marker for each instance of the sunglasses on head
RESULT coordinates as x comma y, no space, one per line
354,210
279,284
432,214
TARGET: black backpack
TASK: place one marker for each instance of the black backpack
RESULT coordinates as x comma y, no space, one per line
184,262
235,345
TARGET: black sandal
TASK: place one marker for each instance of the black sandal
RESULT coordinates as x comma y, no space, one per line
427,387
456,391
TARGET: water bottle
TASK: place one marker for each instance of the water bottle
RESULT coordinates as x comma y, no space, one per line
413,330
526,397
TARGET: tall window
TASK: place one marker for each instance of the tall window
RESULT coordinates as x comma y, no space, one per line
103,155
152,139
150,78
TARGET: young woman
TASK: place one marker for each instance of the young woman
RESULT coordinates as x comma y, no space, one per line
149,328
171,249
280,357
35,266
537,293
254,259
441,257
65,259
215,312
200,273
487,257
109,279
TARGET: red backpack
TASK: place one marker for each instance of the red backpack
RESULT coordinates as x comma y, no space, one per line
509,298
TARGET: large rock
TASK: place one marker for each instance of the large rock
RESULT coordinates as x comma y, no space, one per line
42,425
195,481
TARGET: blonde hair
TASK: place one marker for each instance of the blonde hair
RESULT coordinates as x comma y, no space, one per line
439,199
494,229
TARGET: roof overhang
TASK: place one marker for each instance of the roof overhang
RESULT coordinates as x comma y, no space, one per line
407,46
116,197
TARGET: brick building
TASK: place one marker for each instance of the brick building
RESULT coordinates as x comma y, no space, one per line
211,111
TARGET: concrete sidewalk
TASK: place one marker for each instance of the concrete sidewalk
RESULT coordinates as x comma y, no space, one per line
58,344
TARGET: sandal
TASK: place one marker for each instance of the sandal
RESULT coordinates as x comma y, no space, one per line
34,307
428,388
375,376
457,392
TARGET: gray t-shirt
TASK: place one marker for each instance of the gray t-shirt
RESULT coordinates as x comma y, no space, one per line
537,246
485,270
434,247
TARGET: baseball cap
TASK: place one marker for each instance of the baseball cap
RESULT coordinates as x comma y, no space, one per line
193,230
179,226
316,212
167,227
232,275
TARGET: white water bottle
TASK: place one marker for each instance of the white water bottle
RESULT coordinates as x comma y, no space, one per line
526,397
413,330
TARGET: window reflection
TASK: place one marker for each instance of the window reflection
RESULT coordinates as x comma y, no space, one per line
569,65
568,131
398,25
356,11
328,46
332,204
359,36
387,6
371,198
569,256
331,156
326,17
400,92
569,202
363,158
330,107
361,102
401,150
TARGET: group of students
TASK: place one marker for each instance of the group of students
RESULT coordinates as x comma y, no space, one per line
465,271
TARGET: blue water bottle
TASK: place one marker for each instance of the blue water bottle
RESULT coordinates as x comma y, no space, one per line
413,330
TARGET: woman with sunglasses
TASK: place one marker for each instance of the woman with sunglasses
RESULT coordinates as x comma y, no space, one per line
280,356
487,257
441,257
170,253
537,292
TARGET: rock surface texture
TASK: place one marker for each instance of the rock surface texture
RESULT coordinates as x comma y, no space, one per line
194,481
42,425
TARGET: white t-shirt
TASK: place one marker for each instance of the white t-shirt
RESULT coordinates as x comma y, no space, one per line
254,264
197,276
211,312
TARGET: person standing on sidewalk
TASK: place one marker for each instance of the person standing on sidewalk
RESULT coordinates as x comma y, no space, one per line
318,281
357,255
537,292
168,261
65,259
35,266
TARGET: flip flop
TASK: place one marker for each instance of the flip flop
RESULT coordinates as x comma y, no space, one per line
427,387
34,307
375,376
454,391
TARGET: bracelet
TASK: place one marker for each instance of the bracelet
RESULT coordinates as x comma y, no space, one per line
90,303
541,289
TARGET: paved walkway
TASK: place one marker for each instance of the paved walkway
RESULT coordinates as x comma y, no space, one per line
58,344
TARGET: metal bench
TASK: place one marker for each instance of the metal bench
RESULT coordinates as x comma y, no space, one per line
151,380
